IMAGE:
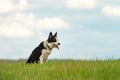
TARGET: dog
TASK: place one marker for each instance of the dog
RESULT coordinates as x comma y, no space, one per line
42,52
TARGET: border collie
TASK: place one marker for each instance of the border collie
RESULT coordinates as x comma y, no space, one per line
44,49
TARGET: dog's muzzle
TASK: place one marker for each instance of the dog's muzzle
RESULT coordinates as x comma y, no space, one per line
56,45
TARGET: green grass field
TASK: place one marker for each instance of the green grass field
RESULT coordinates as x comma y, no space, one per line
61,70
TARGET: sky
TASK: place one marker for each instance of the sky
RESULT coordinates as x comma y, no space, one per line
87,29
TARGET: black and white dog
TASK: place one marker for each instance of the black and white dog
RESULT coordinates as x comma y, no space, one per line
44,49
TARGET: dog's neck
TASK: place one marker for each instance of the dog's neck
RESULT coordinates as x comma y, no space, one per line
48,45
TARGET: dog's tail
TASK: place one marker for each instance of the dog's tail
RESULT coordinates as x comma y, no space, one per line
29,60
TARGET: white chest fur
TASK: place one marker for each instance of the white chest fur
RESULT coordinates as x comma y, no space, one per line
46,51
44,55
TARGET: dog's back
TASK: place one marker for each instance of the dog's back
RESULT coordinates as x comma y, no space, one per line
34,57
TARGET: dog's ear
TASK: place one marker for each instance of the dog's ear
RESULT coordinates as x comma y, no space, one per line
50,35
55,35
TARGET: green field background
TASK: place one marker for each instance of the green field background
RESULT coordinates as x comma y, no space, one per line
61,70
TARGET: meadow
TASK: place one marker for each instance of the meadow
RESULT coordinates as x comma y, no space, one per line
61,70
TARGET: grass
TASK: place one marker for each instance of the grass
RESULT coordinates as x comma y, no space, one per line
61,70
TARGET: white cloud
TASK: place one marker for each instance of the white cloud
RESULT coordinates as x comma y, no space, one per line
52,23
81,4
111,11
10,5
5,6
24,25
15,25
13,30
23,4
19,24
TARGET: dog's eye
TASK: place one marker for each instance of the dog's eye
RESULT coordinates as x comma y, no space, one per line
54,40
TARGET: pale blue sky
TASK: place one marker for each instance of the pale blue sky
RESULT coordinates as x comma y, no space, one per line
87,29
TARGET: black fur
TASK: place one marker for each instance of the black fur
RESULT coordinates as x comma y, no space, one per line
36,53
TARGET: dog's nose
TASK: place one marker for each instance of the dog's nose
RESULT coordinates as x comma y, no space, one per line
58,43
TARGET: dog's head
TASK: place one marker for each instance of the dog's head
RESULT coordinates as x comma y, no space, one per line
53,41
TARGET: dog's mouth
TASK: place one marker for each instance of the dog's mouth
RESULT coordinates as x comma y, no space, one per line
56,46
